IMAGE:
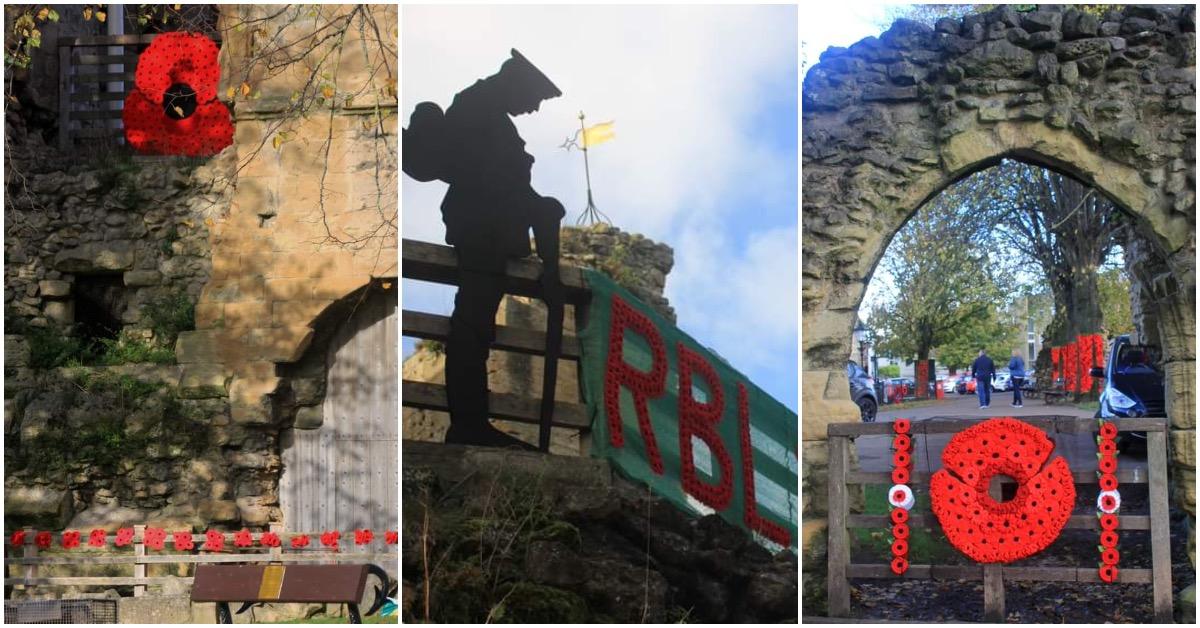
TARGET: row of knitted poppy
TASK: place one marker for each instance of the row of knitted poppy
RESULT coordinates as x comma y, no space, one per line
155,538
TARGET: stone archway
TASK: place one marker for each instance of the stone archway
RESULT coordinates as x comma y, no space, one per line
891,121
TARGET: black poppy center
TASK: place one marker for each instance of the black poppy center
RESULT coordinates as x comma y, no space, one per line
179,101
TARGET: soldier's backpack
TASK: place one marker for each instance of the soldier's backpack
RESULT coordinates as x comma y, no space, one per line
425,154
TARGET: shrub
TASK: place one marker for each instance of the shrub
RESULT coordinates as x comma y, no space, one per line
50,348
168,315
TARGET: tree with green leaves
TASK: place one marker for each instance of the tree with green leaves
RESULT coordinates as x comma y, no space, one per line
945,286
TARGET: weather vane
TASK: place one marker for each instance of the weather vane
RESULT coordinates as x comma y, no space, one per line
590,136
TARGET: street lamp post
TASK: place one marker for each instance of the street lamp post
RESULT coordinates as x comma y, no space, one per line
860,336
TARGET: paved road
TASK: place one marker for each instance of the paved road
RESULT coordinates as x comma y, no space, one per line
874,452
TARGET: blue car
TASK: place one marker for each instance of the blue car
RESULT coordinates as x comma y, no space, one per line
1133,384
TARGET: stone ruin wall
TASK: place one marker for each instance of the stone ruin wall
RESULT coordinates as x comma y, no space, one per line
891,120
242,236
637,263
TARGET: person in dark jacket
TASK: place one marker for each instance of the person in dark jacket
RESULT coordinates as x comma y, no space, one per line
1016,368
983,369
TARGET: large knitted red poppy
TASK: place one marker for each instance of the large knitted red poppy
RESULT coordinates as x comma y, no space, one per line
173,108
990,531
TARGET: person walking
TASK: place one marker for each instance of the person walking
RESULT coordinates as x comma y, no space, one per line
983,370
1016,368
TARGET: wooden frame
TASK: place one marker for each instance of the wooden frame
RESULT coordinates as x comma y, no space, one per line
993,575
425,261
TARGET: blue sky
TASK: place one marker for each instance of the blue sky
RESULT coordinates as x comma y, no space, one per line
704,100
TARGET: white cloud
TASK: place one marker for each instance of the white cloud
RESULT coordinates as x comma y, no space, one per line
684,84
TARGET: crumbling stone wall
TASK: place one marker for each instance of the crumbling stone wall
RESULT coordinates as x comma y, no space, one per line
313,216
892,120
636,262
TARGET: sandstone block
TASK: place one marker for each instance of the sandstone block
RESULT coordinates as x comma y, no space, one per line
142,278
38,505
247,314
309,417
1183,448
198,347
281,344
218,511
54,288
203,381
292,313
254,511
16,351
61,312
97,256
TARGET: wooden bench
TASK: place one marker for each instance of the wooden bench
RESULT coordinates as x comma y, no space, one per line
841,569
276,583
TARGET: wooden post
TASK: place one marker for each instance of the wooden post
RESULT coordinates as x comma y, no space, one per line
139,551
64,98
993,573
277,552
839,541
1160,536
585,433
30,551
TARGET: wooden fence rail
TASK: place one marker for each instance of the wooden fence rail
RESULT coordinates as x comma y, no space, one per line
31,561
425,261
993,575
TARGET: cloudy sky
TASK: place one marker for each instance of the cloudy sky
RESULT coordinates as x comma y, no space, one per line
705,104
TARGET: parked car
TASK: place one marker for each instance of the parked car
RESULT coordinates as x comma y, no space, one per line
901,388
1134,386
1002,381
948,384
965,385
1030,382
862,391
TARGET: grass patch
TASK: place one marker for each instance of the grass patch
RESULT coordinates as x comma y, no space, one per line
926,544
169,315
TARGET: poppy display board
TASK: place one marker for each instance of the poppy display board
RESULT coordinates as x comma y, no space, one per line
725,447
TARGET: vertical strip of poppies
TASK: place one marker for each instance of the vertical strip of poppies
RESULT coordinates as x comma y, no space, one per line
900,496
1108,502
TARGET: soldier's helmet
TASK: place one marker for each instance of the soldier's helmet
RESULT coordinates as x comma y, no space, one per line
525,78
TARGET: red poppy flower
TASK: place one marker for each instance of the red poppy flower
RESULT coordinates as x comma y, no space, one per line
173,109
902,442
1108,464
1108,447
70,539
901,426
899,515
1109,538
1108,502
148,130
899,547
269,539
981,527
362,537
183,541
1108,482
242,538
1109,573
124,537
43,540
97,538
1108,431
18,538
899,565
900,475
391,537
1110,556
214,541
901,459
330,538
300,540
175,58
155,538
900,530
1108,522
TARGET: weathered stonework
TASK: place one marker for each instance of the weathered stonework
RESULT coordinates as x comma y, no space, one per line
892,120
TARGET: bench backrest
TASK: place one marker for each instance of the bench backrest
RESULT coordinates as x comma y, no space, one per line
993,575
331,584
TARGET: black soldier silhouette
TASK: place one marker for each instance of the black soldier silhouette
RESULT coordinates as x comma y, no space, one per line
488,210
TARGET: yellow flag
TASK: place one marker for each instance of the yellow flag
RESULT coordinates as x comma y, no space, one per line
598,133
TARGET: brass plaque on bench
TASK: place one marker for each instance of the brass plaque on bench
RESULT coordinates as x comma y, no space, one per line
278,583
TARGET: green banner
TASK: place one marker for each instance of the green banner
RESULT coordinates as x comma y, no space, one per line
718,444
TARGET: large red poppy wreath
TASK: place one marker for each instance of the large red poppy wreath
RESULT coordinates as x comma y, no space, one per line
173,109
990,531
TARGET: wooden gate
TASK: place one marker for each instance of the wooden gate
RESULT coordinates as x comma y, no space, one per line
344,475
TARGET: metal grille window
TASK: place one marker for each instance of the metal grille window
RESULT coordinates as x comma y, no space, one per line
60,612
